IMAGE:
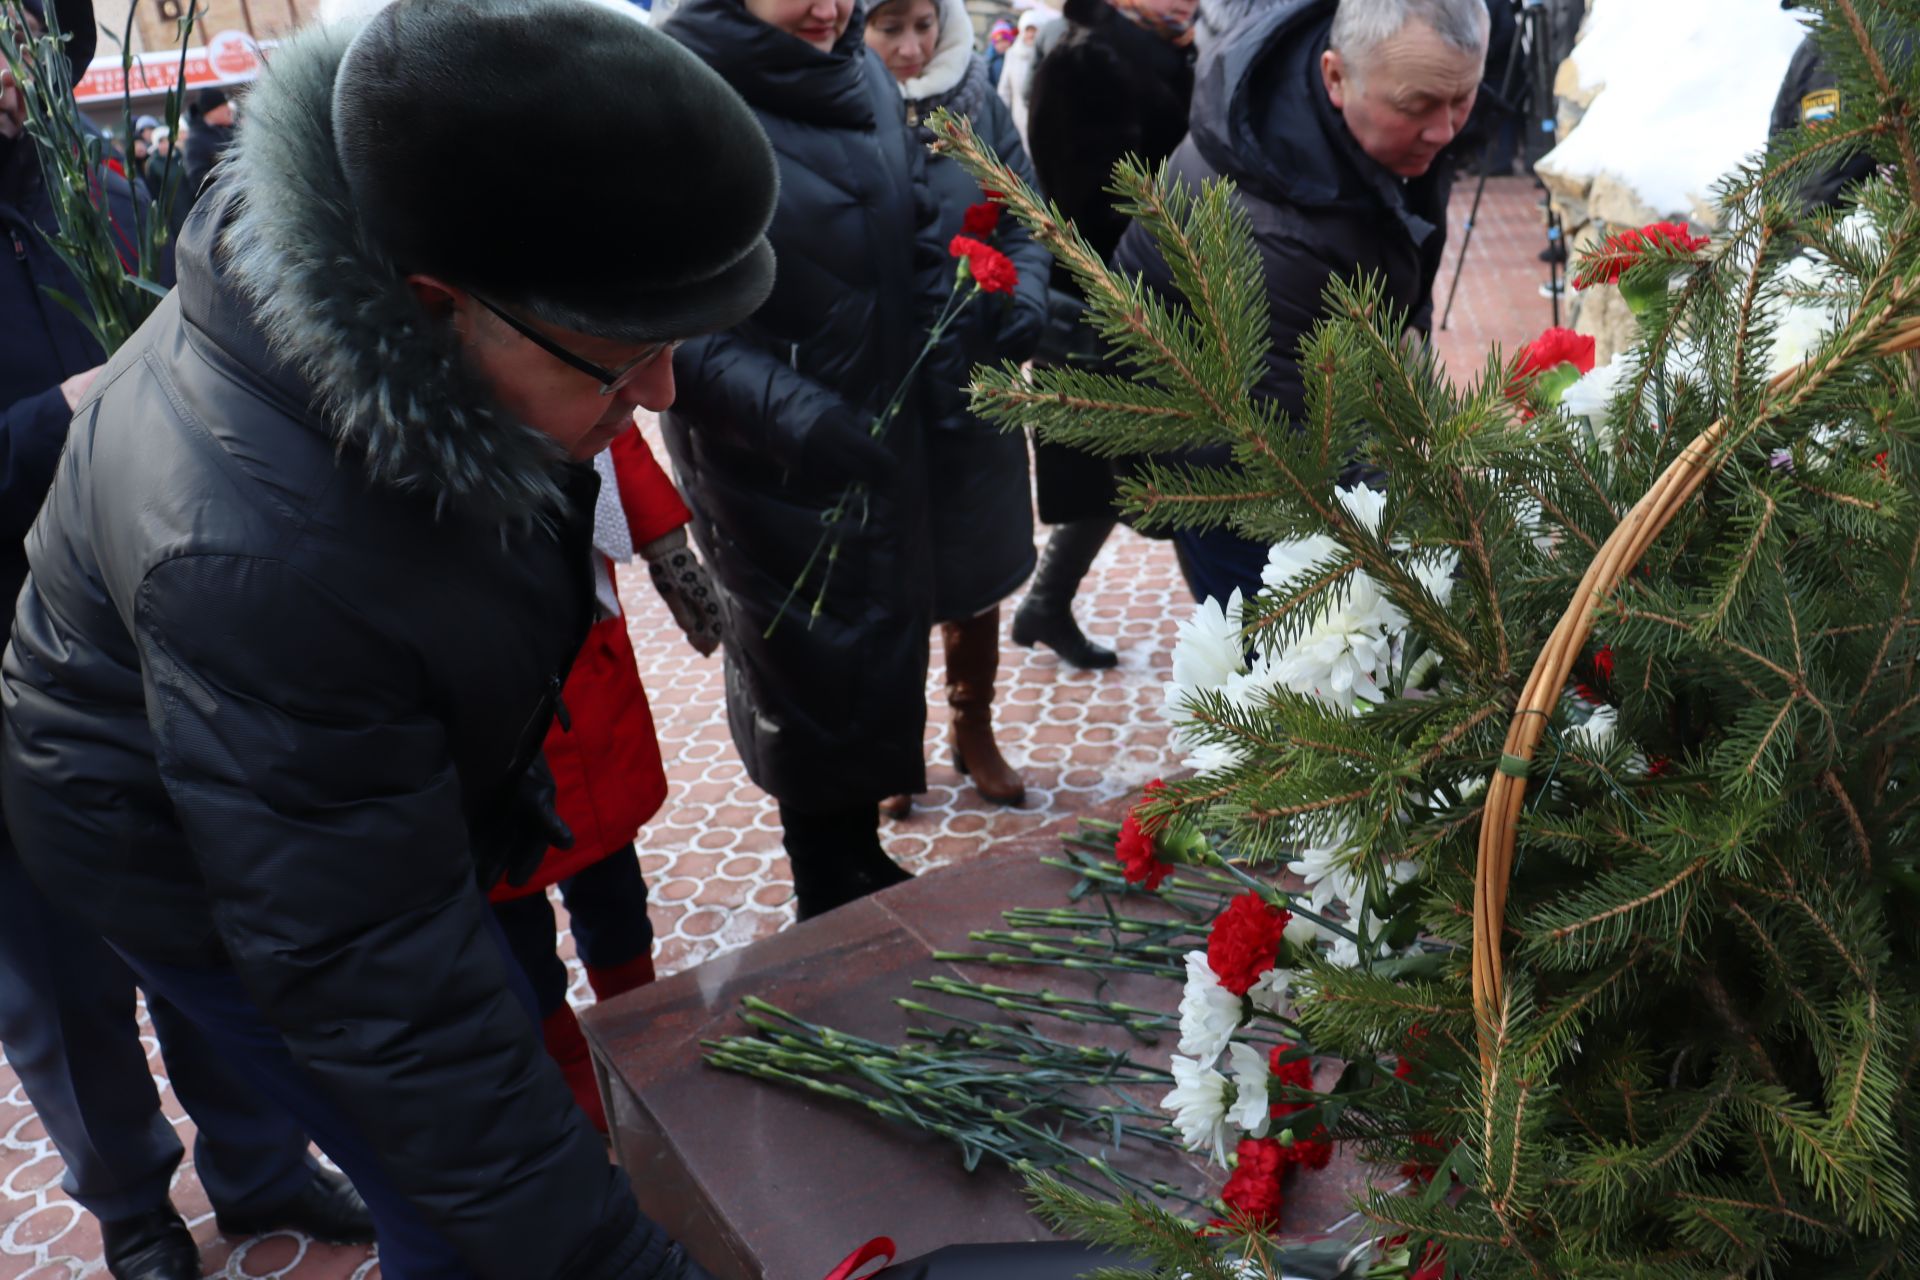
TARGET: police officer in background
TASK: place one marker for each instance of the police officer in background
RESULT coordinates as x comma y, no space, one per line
1810,98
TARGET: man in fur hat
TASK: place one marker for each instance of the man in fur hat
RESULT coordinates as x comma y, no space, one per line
315,564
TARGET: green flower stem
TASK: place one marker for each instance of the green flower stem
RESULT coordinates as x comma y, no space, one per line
1071,962
963,293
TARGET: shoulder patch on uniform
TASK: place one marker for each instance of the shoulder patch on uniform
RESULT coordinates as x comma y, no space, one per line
1820,106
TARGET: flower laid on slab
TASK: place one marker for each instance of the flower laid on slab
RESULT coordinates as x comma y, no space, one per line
1245,942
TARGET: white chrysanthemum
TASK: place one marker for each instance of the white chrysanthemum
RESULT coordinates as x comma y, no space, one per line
1209,1013
1208,650
1303,932
1860,230
1198,1104
1271,990
1434,571
1800,328
1348,650
1593,394
1212,757
1251,1111
1597,733
1249,689
1365,504
1298,558
1345,953
1324,868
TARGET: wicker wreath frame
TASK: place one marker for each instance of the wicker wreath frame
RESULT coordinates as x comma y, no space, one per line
1507,789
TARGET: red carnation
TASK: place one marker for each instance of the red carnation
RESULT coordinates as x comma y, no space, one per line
980,219
991,269
1552,349
1433,1265
1624,249
1245,941
1138,853
1550,364
1311,1152
1253,1189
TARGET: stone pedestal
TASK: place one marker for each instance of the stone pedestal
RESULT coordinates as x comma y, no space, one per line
764,1181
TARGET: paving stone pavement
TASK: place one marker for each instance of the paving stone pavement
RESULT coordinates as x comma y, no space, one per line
712,856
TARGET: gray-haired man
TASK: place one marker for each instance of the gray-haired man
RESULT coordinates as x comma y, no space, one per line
1335,120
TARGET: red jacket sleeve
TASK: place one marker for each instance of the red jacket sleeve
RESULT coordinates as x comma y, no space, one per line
653,506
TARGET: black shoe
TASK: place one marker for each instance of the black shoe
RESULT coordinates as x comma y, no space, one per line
151,1246
1046,615
1052,625
327,1209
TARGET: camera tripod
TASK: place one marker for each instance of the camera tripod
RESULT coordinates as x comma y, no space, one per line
1529,59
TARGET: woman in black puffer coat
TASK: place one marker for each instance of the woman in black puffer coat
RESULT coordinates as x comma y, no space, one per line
981,510
771,425
1115,83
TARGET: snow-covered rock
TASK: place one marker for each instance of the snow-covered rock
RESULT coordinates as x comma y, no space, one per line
1665,99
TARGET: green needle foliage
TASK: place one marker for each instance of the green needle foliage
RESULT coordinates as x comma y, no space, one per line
118,267
1702,1064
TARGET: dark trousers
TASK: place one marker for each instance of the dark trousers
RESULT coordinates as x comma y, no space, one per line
607,904
410,1249
1217,561
67,1021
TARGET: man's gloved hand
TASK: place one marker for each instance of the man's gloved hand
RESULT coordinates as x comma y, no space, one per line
1021,329
530,826
842,446
683,582
1063,338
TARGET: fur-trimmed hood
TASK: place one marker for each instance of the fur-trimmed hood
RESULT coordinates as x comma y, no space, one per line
390,387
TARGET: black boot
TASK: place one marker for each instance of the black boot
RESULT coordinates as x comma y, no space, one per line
836,858
150,1246
1046,615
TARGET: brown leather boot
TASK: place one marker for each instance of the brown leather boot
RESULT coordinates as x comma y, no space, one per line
896,807
973,660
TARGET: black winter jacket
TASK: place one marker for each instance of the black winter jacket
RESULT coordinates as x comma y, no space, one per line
1319,207
981,506
1106,89
827,713
45,345
1109,88
282,662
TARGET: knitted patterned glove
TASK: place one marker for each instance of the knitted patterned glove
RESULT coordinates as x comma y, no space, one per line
684,584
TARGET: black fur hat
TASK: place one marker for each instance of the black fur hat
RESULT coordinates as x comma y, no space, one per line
561,156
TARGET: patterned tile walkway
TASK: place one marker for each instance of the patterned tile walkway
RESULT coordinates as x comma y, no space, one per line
712,856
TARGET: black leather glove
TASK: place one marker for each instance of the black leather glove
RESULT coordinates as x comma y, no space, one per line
1021,329
1063,338
841,446
530,826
